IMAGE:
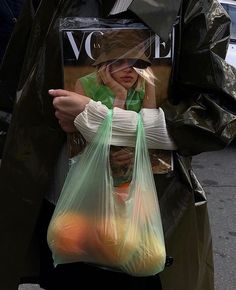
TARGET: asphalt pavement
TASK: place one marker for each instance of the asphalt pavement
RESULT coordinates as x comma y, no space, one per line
217,173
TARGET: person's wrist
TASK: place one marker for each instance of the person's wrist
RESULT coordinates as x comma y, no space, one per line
83,104
119,102
121,94
119,91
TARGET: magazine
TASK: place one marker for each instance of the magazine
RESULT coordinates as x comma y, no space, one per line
89,44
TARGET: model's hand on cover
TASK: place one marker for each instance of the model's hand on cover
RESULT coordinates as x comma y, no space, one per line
68,105
121,157
119,91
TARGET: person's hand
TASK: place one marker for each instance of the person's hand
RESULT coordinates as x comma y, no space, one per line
68,105
122,157
119,91
108,80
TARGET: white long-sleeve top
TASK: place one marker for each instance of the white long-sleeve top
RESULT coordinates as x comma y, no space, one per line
124,125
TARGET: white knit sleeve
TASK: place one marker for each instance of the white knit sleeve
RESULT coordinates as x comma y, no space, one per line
124,126
156,132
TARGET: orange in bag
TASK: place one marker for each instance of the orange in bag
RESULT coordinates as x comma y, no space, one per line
69,233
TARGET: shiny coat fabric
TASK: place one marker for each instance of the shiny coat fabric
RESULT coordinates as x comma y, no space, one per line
9,12
200,112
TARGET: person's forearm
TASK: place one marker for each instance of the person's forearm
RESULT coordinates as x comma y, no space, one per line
150,90
149,100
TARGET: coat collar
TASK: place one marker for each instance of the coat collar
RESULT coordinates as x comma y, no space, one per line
159,15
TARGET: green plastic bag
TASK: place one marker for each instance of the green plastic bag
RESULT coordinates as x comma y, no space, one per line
94,223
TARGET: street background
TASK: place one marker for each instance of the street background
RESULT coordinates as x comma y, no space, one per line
217,173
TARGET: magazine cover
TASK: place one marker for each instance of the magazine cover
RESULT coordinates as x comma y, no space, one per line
104,58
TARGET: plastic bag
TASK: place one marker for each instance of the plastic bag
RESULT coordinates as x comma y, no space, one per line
95,222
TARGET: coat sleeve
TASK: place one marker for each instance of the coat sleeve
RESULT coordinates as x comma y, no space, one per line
201,112
12,65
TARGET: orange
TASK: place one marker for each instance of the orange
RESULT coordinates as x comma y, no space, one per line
68,234
149,259
115,244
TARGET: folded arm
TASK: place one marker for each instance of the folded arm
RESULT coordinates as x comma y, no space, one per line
124,126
